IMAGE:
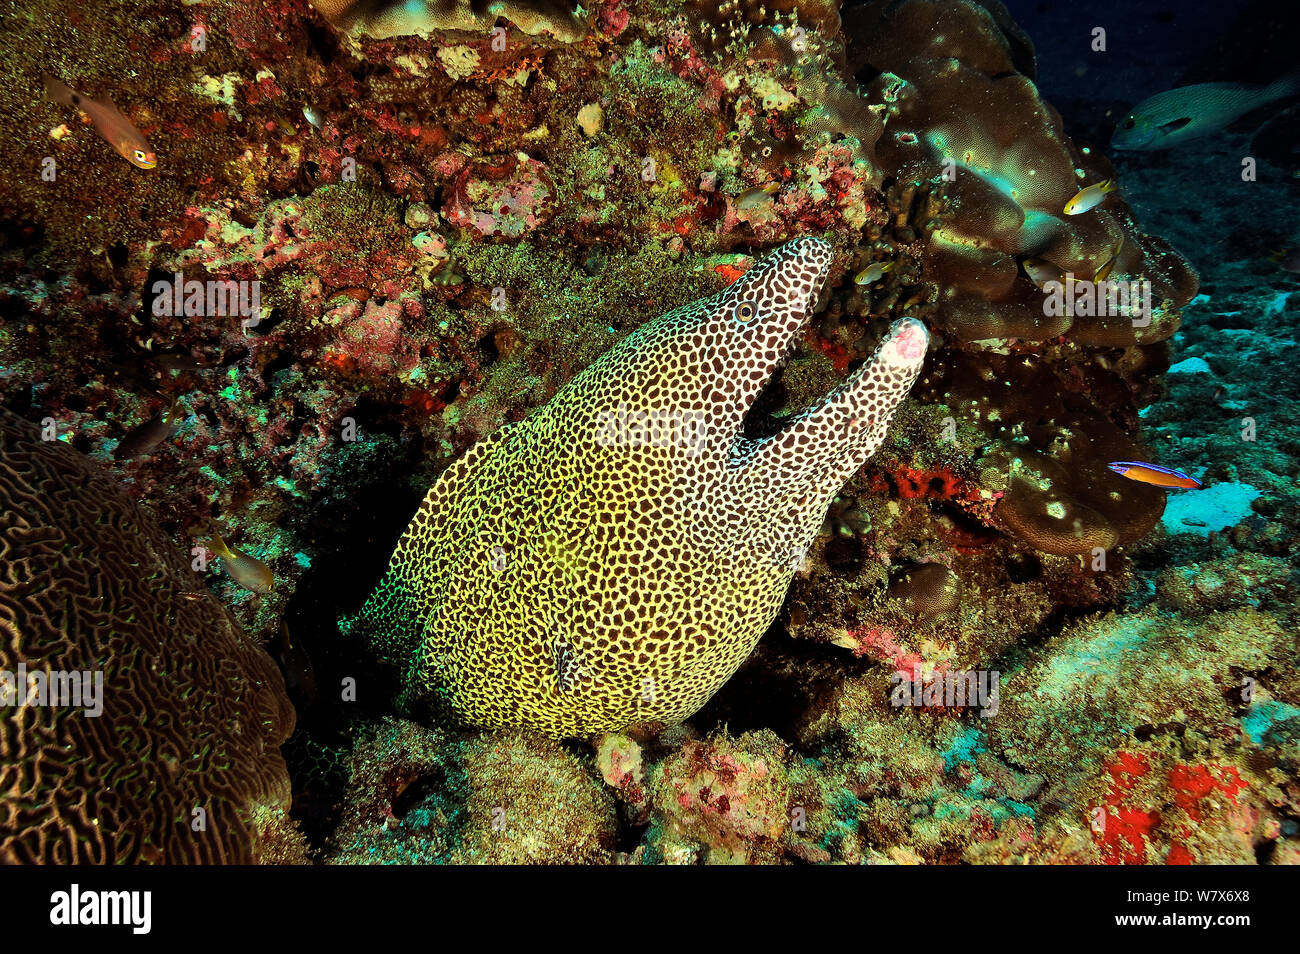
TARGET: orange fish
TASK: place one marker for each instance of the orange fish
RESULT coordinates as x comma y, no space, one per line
1154,474
112,125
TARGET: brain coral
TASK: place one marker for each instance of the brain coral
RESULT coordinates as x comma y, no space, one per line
615,557
182,764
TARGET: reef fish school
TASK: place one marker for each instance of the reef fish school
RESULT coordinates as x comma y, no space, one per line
194,298
1105,299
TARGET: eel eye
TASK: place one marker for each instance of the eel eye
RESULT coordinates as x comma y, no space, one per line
1128,123
746,311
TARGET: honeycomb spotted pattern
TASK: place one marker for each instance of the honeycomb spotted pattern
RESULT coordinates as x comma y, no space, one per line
612,559
193,711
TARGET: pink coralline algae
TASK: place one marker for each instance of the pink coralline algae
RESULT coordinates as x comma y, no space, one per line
830,194
881,643
500,199
374,342
622,766
727,794
612,18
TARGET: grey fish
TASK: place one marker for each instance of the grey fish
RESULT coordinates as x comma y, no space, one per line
144,438
1171,118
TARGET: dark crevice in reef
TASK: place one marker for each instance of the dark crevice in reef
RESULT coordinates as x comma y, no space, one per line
323,42
281,362
354,521
629,836
1024,567
155,278
267,324
777,685
428,787
846,555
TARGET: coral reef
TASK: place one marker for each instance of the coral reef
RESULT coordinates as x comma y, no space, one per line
388,18
420,796
151,725
1158,726
729,797
448,211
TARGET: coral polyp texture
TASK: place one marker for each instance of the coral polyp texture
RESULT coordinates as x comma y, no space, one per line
387,18
612,559
421,795
754,371
964,123
148,726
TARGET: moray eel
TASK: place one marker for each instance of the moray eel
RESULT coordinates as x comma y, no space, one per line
613,559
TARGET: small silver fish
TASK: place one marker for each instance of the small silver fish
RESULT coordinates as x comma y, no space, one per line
1173,117
112,125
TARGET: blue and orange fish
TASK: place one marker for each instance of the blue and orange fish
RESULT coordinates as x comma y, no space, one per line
1154,474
